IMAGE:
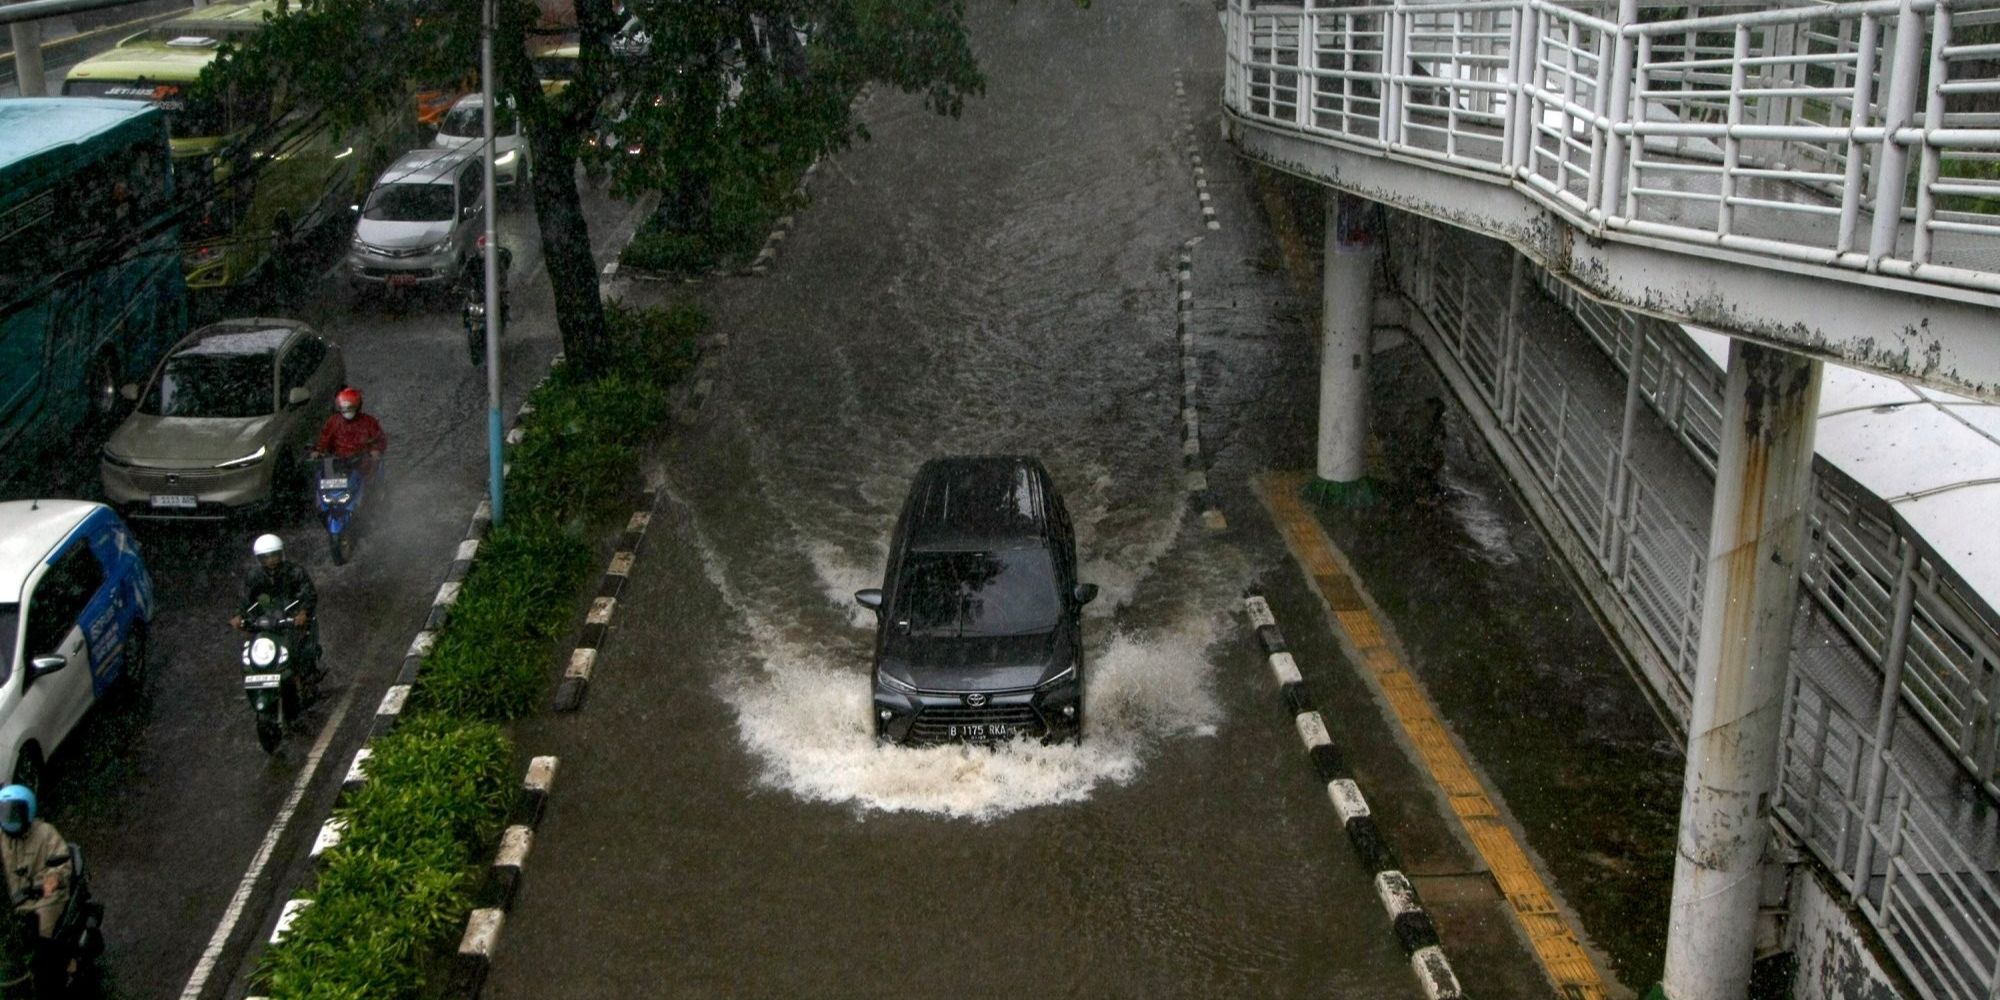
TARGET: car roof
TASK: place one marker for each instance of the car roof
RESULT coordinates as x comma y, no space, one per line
978,501
431,165
239,338
29,531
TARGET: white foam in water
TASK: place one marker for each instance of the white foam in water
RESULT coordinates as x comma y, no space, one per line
807,721
839,577
1484,524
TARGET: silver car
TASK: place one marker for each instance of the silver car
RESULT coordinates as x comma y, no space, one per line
224,421
463,127
420,222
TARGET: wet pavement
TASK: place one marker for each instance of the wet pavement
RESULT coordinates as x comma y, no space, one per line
725,822
166,789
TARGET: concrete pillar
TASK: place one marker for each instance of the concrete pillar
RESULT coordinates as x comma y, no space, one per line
1347,320
28,75
1763,485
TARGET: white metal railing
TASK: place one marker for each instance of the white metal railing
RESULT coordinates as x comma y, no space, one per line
1863,136
1916,848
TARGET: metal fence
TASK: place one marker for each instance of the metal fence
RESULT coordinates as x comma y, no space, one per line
1858,135
1892,789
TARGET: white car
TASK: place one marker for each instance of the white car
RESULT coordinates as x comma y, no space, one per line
75,601
462,127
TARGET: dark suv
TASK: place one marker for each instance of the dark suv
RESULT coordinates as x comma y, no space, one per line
978,634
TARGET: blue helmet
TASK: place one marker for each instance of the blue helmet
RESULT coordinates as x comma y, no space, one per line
17,809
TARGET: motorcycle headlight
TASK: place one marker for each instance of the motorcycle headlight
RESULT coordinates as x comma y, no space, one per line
341,497
248,460
263,651
1063,676
895,682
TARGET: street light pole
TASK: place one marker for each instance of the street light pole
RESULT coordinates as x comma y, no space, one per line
495,441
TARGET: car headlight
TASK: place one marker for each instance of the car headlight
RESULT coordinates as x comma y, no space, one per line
1063,676
263,651
444,247
895,682
507,158
248,460
113,458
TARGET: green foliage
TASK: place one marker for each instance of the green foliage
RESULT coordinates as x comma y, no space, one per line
399,884
396,889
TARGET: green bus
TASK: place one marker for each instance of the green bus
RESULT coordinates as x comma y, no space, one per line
258,170
91,293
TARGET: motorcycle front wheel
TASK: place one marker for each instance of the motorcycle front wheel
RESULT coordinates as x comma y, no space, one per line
269,734
339,547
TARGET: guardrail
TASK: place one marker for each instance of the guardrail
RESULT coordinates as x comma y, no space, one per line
1862,136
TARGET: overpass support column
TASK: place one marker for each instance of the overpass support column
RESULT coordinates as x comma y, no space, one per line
1756,538
27,40
1347,318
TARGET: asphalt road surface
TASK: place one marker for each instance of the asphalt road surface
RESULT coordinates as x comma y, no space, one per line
724,823
166,789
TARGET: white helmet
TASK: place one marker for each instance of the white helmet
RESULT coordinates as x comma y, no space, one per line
267,544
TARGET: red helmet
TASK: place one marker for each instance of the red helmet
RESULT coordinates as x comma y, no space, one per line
347,397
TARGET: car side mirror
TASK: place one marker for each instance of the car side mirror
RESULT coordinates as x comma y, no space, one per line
298,395
870,598
130,391
42,666
1085,593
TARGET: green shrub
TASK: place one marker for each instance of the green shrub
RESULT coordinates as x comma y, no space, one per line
490,660
398,885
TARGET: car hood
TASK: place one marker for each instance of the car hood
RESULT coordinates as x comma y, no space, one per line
973,663
402,235
187,442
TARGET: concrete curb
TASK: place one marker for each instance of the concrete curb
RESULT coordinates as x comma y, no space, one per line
1194,466
597,622
1407,918
502,881
1187,132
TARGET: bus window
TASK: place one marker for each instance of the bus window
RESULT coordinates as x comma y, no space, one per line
188,117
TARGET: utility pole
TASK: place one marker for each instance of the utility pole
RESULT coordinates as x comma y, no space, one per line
495,441
27,38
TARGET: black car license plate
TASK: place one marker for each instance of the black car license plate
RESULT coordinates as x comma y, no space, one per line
989,731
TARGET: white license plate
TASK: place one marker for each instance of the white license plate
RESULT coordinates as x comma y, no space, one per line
333,483
987,732
174,501
254,682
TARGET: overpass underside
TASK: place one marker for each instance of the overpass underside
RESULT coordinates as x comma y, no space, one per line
1574,183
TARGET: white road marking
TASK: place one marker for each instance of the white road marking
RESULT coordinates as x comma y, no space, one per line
234,914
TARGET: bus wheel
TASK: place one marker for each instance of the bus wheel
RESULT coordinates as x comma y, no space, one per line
101,386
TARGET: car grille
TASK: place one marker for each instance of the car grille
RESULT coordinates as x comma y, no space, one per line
395,253
184,480
934,725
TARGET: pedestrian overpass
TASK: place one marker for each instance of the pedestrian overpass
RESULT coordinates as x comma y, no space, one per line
1820,181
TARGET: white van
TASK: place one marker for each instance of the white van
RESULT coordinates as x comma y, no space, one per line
75,603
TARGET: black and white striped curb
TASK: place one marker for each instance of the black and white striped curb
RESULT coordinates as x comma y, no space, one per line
1194,468
1412,926
1194,154
597,622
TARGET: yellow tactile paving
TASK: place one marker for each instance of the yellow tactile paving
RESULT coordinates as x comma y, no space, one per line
1551,936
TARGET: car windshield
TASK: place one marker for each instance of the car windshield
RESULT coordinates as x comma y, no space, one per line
10,626
409,203
464,120
1003,592
212,385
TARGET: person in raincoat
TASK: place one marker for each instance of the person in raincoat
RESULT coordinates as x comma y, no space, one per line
39,890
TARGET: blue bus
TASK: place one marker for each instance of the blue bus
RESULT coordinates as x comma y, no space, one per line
91,291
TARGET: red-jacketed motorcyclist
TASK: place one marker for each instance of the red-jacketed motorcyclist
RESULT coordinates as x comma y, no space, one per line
349,433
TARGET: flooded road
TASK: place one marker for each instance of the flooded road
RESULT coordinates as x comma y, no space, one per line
726,822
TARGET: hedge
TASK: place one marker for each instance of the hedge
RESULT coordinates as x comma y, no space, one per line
395,891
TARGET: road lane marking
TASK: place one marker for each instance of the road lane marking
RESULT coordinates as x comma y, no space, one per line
1549,933
234,914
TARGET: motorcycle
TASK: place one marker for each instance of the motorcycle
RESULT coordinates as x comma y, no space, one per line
280,675
71,953
341,485
472,314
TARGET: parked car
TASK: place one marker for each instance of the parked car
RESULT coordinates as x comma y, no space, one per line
463,127
75,606
979,633
420,221
224,422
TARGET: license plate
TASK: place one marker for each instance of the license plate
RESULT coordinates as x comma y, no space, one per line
174,501
255,682
333,483
402,280
986,732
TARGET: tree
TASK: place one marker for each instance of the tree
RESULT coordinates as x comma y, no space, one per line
713,93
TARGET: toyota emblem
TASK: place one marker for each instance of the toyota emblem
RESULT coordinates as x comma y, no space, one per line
975,700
